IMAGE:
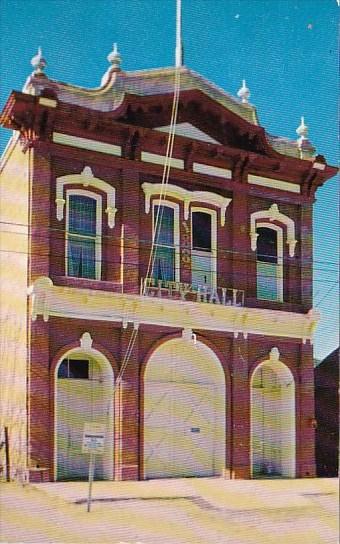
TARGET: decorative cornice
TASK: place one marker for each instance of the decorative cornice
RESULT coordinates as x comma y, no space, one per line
174,191
115,84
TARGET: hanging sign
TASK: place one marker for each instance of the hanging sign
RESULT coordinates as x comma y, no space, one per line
93,438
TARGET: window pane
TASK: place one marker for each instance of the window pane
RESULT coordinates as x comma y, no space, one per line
63,369
201,270
82,215
74,368
201,231
164,263
266,245
165,229
81,257
267,281
79,369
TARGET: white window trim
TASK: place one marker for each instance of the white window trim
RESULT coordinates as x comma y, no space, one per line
98,242
175,207
174,191
86,178
273,214
213,252
279,267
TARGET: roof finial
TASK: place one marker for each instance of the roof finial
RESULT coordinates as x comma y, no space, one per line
305,147
114,57
39,63
302,131
244,92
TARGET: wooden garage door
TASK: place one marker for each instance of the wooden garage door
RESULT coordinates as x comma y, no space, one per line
180,430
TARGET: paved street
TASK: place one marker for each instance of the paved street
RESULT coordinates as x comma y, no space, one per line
183,511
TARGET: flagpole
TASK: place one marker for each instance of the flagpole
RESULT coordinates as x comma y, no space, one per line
179,59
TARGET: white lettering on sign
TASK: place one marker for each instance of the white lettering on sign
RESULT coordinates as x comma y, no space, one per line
93,438
223,296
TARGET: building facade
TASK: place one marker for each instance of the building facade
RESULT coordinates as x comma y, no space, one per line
326,378
157,280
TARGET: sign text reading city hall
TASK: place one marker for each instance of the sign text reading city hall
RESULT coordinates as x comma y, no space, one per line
224,296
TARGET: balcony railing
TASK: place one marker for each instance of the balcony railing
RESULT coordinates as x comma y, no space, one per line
175,290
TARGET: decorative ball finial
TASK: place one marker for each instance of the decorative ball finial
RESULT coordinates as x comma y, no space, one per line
302,131
114,57
38,62
244,93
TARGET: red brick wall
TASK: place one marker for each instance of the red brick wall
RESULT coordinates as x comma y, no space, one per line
239,357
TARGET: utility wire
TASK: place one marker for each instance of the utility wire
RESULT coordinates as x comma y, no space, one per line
144,243
61,257
156,231
318,304
113,237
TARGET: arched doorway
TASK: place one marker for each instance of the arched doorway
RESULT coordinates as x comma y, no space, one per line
84,385
272,420
184,411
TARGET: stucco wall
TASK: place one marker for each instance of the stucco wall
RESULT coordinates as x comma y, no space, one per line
14,207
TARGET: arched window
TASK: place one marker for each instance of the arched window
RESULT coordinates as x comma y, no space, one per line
203,248
166,241
269,262
83,234
273,439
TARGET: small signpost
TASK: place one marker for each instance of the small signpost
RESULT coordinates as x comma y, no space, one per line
93,443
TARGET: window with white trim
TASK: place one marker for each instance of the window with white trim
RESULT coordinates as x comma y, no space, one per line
203,248
166,241
269,262
83,234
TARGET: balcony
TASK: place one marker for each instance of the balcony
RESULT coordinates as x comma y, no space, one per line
174,305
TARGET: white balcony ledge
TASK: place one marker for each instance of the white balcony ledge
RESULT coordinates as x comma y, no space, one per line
77,303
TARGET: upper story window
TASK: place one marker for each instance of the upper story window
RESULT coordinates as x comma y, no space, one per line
203,248
201,231
267,240
166,241
83,234
269,273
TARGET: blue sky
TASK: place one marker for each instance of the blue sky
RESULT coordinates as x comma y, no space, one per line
286,50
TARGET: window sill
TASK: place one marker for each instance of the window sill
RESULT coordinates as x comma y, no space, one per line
87,283
253,302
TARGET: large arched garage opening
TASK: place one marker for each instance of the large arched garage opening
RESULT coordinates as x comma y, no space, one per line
184,411
84,388
272,419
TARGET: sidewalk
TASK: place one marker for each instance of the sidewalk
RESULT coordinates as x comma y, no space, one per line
231,494
180,511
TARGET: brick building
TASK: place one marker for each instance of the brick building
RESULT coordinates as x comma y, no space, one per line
198,360
326,378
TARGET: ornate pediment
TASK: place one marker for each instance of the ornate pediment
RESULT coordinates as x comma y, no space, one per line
199,117
189,131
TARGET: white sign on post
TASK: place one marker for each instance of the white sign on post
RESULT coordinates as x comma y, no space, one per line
93,443
93,438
